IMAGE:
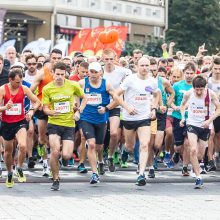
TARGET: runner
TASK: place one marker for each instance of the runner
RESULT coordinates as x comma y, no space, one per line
115,75
95,115
201,103
44,77
180,88
140,92
14,121
58,104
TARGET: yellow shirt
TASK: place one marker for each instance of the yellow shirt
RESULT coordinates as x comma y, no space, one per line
61,99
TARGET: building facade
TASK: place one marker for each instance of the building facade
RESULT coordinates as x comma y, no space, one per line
28,20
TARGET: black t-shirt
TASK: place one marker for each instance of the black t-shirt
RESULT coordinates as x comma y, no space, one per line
4,76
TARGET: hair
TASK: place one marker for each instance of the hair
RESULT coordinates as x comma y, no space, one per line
216,61
84,64
162,60
175,68
153,61
27,51
15,72
137,51
190,65
30,56
60,65
56,51
199,82
1,57
170,60
40,55
162,69
108,51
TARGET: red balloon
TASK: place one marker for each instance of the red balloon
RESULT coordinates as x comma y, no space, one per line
103,37
113,36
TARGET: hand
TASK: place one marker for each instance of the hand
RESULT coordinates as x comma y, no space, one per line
177,108
153,115
9,104
206,124
182,123
77,116
172,44
162,109
101,110
132,111
29,115
55,113
164,46
202,48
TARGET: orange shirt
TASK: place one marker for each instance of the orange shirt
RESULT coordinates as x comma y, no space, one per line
48,77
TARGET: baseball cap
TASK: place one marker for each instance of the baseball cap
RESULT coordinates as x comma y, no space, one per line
18,64
95,66
78,54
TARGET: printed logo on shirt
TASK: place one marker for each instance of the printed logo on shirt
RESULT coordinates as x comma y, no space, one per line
87,89
149,89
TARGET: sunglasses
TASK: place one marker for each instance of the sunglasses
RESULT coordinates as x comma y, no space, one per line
31,64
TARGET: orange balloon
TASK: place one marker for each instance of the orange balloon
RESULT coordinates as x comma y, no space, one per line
103,37
112,36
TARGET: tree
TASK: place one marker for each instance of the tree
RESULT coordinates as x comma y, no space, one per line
192,23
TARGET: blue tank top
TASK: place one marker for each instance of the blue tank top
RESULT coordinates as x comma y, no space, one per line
95,97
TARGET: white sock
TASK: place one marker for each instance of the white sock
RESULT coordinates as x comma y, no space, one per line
45,164
199,177
151,167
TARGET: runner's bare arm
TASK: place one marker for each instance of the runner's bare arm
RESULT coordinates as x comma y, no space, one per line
183,105
116,95
83,103
215,100
169,89
39,77
8,105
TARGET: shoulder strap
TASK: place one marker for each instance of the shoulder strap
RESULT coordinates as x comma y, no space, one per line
207,103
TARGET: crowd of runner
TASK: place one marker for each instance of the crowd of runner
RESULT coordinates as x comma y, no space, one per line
59,110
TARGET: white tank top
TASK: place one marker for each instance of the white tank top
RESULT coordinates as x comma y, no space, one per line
29,78
197,111
215,87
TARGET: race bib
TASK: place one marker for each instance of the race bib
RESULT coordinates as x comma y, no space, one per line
94,99
141,98
199,112
14,110
169,111
62,107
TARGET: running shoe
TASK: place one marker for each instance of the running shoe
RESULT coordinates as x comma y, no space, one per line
211,166
64,162
116,158
9,180
176,158
170,164
41,150
198,184
155,163
141,180
111,165
81,168
124,155
101,169
46,171
0,172
94,179
202,168
124,164
166,158
185,171
21,176
151,174
55,186
31,163
71,162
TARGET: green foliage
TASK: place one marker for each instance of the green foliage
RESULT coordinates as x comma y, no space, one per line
194,22
152,48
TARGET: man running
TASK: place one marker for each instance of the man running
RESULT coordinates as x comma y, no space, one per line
58,104
14,121
201,104
140,92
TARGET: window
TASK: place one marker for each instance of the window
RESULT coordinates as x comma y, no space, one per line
89,22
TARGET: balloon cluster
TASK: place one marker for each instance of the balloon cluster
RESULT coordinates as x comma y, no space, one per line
108,37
